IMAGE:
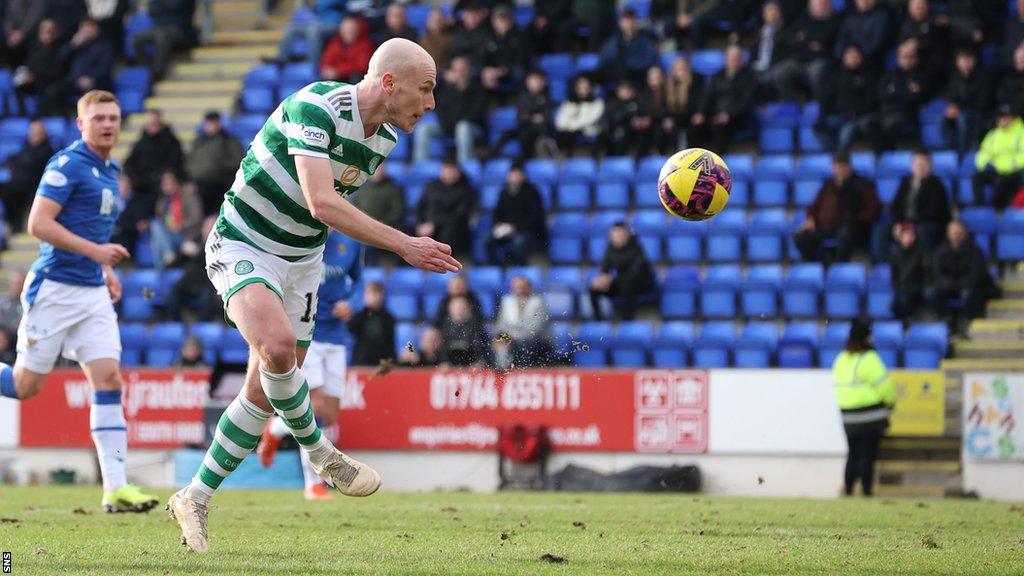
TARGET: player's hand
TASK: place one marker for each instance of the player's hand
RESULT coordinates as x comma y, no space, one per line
109,254
113,286
342,311
428,254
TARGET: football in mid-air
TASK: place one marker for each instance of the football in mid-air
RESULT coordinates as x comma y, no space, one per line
694,184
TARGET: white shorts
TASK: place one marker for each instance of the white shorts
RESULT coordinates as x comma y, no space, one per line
78,321
326,367
232,265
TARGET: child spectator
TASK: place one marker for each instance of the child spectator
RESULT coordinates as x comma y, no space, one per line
373,328
191,354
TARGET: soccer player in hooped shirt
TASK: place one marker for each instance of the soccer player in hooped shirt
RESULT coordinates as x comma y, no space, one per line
71,289
264,257
327,359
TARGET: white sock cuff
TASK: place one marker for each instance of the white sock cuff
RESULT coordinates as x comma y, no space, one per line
253,410
286,377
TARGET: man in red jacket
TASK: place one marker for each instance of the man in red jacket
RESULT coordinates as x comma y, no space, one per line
347,55
840,217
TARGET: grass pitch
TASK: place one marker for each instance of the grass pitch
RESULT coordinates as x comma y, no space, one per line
52,530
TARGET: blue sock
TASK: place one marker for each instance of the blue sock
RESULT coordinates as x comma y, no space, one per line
7,382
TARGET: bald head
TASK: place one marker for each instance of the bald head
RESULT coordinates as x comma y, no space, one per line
399,57
403,75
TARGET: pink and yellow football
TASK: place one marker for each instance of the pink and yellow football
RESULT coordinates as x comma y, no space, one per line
694,184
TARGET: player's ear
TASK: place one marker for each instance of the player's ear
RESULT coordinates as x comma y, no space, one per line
387,83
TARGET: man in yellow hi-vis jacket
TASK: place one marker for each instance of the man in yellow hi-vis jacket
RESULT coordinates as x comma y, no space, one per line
865,394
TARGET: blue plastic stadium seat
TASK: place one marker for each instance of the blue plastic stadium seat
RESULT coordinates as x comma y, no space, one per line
560,303
926,345
887,187
670,348
420,173
485,279
718,291
801,288
611,195
863,163
649,168
756,345
630,342
133,343
404,307
616,169
683,240
713,344
778,121
587,61
1010,239
651,245
888,339
832,341
557,65
577,170
650,222
596,246
798,345
495,171
707,62
679,292
568,230
416,16
981,221
594,340
741,166
724,238
234,349
531,273
564,277
895,163
210,334
502,120
880,292
844,287
765,235
759,296
574,196
405,332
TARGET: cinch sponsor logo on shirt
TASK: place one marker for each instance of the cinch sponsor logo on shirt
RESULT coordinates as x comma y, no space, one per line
313,136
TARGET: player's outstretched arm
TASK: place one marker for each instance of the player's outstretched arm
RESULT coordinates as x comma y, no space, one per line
316,179
42,223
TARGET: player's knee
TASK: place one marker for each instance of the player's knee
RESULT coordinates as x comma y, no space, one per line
277,352
28,387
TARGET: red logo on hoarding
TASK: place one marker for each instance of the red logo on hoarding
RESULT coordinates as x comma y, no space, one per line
671,411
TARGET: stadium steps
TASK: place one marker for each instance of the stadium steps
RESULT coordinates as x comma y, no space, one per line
987,348
918,467
997,329
21,250
212,74
1006,308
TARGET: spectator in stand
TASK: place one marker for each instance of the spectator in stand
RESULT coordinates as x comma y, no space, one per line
869,27
26,169
1013,34
464,339
842,214
191,354
1000,160
959,272
626,274
809,43
437,40
382,198
967,22
462,116
373,328
428,354
156,151
172,29
109,14
346,57
213,161
504,55
67,14
970,95
548,31
10,303
932,35
902,92
684,91
134,214
178,216
848,100
728,103
1011,84
654,98
194,291
626,124
923,201
697,19
910,268
768,48
520,225
533,117
579,116
458,287
445,207
91,60
523,328
629,52
21,17
313,25
471,35
396,25
43,68
597,16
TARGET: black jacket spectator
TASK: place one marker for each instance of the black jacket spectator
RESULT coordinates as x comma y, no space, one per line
625,124
728,103
1011,86
958,270
21,17
396,26
91,60
970,92
805,52
548,32
504,53
464,339
382,198
932,35
901,93
44,64
625,273
193,291
213,161
445,208
533,116
869,27
851,92
471,35
172,29
156,151
1013,34
519,221
629,53
374,332
910,267
26,169
67,14
462,102
812,37
925,204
